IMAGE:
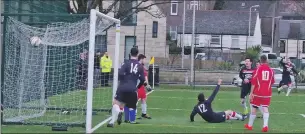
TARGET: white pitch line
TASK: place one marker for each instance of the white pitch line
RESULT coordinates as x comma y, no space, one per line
303,115
164,109
182,98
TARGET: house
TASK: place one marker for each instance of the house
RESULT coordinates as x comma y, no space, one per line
266,11
292,39
141,30
222,30
174,12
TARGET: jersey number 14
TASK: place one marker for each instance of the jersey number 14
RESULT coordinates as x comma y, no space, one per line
133,68
265,75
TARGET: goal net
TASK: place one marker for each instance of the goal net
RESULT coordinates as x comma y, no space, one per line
49,80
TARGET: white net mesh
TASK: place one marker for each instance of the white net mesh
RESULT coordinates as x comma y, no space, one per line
47,83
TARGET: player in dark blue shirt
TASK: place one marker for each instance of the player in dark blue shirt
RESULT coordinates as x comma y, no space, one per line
288,69
126,95
204,109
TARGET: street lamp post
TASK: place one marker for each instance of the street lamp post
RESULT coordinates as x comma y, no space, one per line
249,30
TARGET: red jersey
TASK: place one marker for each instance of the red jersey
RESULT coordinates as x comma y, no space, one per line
263,80
141,90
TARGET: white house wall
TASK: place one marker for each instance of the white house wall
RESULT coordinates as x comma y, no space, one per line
226,41
292,49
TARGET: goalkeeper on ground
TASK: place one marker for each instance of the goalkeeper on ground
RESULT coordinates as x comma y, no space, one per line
204,109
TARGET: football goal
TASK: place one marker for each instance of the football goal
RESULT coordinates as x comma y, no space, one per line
49,73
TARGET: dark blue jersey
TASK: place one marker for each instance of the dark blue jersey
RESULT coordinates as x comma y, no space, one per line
204,109
130,72
288,69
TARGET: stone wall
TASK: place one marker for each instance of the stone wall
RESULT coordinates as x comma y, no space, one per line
204,77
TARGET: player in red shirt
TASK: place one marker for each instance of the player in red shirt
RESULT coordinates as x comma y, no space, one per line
261,93
142,91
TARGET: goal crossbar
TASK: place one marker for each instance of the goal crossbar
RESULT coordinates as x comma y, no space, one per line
93,17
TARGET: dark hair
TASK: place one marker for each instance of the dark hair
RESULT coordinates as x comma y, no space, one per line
201,97
134,52
141,56
249,59
263,59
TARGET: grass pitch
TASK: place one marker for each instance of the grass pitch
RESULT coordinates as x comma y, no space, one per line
170,107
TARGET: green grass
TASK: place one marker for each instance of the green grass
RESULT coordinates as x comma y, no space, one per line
170,107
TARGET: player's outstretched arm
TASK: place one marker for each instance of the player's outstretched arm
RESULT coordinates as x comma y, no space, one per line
241,74
294,71
282,62
194,112
141,77
211,98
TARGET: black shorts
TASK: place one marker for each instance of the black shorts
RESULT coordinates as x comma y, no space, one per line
245,90
218,117
130,99
285,81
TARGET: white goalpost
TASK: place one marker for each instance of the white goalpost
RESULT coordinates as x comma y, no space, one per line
93,17
49,73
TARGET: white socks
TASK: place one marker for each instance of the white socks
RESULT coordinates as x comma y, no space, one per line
288,91
144,106
266,119
115,113
251,119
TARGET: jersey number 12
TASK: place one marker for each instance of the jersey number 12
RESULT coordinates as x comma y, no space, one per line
133,68
265,75
201,108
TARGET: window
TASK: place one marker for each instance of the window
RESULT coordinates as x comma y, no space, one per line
174,8
125,7
101,43
130,42
215,40
194,4
155,29
303,47
196,39
235,41
173,32
282,46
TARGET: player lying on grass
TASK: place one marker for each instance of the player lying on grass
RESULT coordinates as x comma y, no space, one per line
288,69
204,109
261,92
130,72
246,75
141,94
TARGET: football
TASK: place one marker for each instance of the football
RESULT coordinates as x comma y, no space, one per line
35,41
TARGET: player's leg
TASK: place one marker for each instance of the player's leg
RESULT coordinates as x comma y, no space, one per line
252,116
243,94
132,105
265,105
289,88
144,108
116,111
126,114
232,115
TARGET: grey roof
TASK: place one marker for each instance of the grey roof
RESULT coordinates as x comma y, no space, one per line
220,22
290,29
265,8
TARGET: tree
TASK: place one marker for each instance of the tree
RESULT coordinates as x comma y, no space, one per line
254,52
219,4
174,50
119,7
